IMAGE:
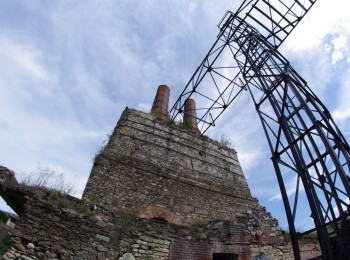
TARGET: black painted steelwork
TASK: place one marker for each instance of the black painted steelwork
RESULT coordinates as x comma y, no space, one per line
306,145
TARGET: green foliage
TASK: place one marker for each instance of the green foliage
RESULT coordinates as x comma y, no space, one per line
123,220
83,208
103,146
186,124
63,202
198,225
308,238
182,124
3,218
7,240
101,149
137,225
157,114
129,220
286,236
5,244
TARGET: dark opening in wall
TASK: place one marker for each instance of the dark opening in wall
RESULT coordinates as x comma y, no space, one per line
160,220
224,256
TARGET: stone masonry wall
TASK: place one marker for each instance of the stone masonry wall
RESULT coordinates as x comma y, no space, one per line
148,163
155,192
59,227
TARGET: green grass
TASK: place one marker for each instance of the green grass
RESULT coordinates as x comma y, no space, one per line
308,238
5,244
123,220
3,218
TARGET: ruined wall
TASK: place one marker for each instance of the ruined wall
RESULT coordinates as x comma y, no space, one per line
157,172
53,226
156,191
148,163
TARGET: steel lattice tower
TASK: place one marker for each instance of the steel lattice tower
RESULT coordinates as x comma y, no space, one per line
304,141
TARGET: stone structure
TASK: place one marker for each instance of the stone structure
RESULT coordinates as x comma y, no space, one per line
156,191
147,164
54,226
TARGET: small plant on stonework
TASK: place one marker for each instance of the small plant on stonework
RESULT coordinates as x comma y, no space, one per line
225,141
5,244
198,224
157,114
83,208
99,151
48,179
182,124
180,227
124,219
286,236
64,203
186,124
309,238
56,199
102,147
3,218
136,226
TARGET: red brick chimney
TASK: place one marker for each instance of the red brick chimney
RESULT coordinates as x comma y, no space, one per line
160,104
190,116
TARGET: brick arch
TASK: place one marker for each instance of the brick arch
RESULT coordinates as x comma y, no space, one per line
160,212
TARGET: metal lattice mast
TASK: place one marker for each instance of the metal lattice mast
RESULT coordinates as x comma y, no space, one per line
305,143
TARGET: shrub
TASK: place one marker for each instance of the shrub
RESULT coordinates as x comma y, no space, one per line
5,244
3,218
225,141
47,178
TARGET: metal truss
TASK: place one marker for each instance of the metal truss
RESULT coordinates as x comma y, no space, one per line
213,85
307,147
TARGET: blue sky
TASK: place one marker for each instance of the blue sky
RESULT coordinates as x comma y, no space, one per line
69,68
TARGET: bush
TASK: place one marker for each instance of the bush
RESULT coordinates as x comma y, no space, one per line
225,141
49,179
5,244
3,218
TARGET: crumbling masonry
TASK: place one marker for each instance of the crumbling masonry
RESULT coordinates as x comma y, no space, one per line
156,191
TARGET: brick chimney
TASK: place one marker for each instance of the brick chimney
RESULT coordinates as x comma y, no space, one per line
160,104
190,116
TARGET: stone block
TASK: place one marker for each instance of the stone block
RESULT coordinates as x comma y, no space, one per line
101,248
114,234
103,238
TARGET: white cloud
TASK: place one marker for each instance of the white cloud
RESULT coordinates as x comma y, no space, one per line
323,18
24,59
340,42
27,59
336,211
145,107
291,186
192,6
341,112
340,48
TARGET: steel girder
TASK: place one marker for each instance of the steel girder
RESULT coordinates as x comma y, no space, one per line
304,141
306,145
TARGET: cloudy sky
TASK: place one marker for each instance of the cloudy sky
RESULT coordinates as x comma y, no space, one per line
69,68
